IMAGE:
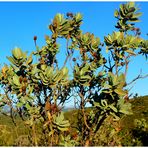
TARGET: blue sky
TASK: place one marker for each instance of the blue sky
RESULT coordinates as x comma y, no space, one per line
20,21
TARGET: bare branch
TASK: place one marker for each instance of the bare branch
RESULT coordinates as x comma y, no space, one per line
126,65
83,111
68,54
138,77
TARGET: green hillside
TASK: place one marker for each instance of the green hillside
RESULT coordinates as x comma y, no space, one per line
132,130
140,110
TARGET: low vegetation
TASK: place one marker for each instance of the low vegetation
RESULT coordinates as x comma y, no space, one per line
131,130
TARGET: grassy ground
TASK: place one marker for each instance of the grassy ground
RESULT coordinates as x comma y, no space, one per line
130,134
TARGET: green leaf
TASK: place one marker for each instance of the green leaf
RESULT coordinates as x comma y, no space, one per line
134,20
78,17
61,123
121,78
44,79
107,86
19,104
85,78
130,52
116,13
51,133
65,70
104,103
120,91
17,53
124,107
113,108
136,15
43,67
12,60
27,106
29,60
16,80
115,116
131,4
108,40
122,13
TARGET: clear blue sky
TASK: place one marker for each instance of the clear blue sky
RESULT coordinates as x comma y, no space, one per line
20,21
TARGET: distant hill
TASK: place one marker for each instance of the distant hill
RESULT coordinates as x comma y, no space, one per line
65,109
140,110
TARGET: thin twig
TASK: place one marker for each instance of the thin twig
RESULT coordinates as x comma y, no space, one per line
68,54
138,77
126,65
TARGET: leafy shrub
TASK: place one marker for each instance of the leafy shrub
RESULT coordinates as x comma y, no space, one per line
38,90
